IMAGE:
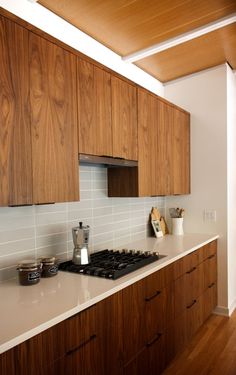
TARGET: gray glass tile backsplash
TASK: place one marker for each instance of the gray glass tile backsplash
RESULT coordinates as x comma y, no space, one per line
29,232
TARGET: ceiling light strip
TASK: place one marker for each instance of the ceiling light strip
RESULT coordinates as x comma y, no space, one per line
156,48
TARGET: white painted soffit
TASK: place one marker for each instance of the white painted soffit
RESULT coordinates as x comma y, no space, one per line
156,48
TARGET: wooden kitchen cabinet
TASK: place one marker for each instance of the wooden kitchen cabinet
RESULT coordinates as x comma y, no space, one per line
149,308
53,122
110,334
134,331
134,319
38,117
147,122
107,109
15,130
94,109
180,165
150,360
163,152
124,119
7,363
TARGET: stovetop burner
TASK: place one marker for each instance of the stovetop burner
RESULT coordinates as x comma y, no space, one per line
112,264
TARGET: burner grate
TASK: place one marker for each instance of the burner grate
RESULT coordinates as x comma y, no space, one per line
112,264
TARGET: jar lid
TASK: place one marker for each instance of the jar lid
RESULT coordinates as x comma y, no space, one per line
29,263
48,260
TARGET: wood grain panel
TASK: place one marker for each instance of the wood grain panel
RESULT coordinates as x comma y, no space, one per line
164,147
94,109
180,170
128,26
147,114
138,365
54,122
133,324
37,354
7,363
124,119
209,50
110,334
79,328
15,134
123,182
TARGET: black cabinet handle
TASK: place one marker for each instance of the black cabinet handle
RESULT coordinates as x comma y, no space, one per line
193,303
192,269
81,345
211,285
211,256
147,299
155,338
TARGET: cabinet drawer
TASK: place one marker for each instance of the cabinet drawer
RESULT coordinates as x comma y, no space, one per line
154,283
156,359
134,338
84,360
207,250
193,318
208,301
7,364
190,261
187,288
210,270
36,355
155,315
80,329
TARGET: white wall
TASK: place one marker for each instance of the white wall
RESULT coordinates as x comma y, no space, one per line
47,21
204,96
231,155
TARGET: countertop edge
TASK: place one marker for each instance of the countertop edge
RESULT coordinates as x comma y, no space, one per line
50,323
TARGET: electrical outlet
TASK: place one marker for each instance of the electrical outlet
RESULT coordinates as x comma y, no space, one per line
209,215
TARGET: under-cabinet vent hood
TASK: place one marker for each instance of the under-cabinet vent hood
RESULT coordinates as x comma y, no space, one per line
106,161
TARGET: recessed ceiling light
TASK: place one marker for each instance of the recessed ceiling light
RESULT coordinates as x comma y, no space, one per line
169,43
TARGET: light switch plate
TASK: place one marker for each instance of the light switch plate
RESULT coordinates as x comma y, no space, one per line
209,215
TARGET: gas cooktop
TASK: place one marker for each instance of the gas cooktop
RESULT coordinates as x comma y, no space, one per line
112,264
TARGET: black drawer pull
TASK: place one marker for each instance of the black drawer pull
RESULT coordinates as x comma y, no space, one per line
147,299
192,269
193,303
211,256
81,345
155,338
211,285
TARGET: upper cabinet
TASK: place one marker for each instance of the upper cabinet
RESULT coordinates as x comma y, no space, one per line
15,130
94,109
53,110
124,119
164,152
38,119
107,111
55,104
181,152
155,145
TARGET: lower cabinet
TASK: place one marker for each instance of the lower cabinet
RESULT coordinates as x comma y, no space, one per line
149,360
136,331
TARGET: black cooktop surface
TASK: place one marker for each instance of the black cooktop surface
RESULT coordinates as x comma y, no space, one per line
112,264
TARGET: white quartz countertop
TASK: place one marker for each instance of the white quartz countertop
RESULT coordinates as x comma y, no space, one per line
28,310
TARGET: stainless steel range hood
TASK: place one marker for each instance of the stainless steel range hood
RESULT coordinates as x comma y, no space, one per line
106,161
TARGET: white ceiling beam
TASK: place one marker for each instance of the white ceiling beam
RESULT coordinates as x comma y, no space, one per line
156,48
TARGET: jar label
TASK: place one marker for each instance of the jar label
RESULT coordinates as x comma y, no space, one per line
32,276
53,269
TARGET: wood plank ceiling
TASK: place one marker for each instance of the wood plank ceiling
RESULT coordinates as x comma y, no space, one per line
127,26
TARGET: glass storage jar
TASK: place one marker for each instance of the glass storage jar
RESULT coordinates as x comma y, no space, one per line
49,266
29,272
